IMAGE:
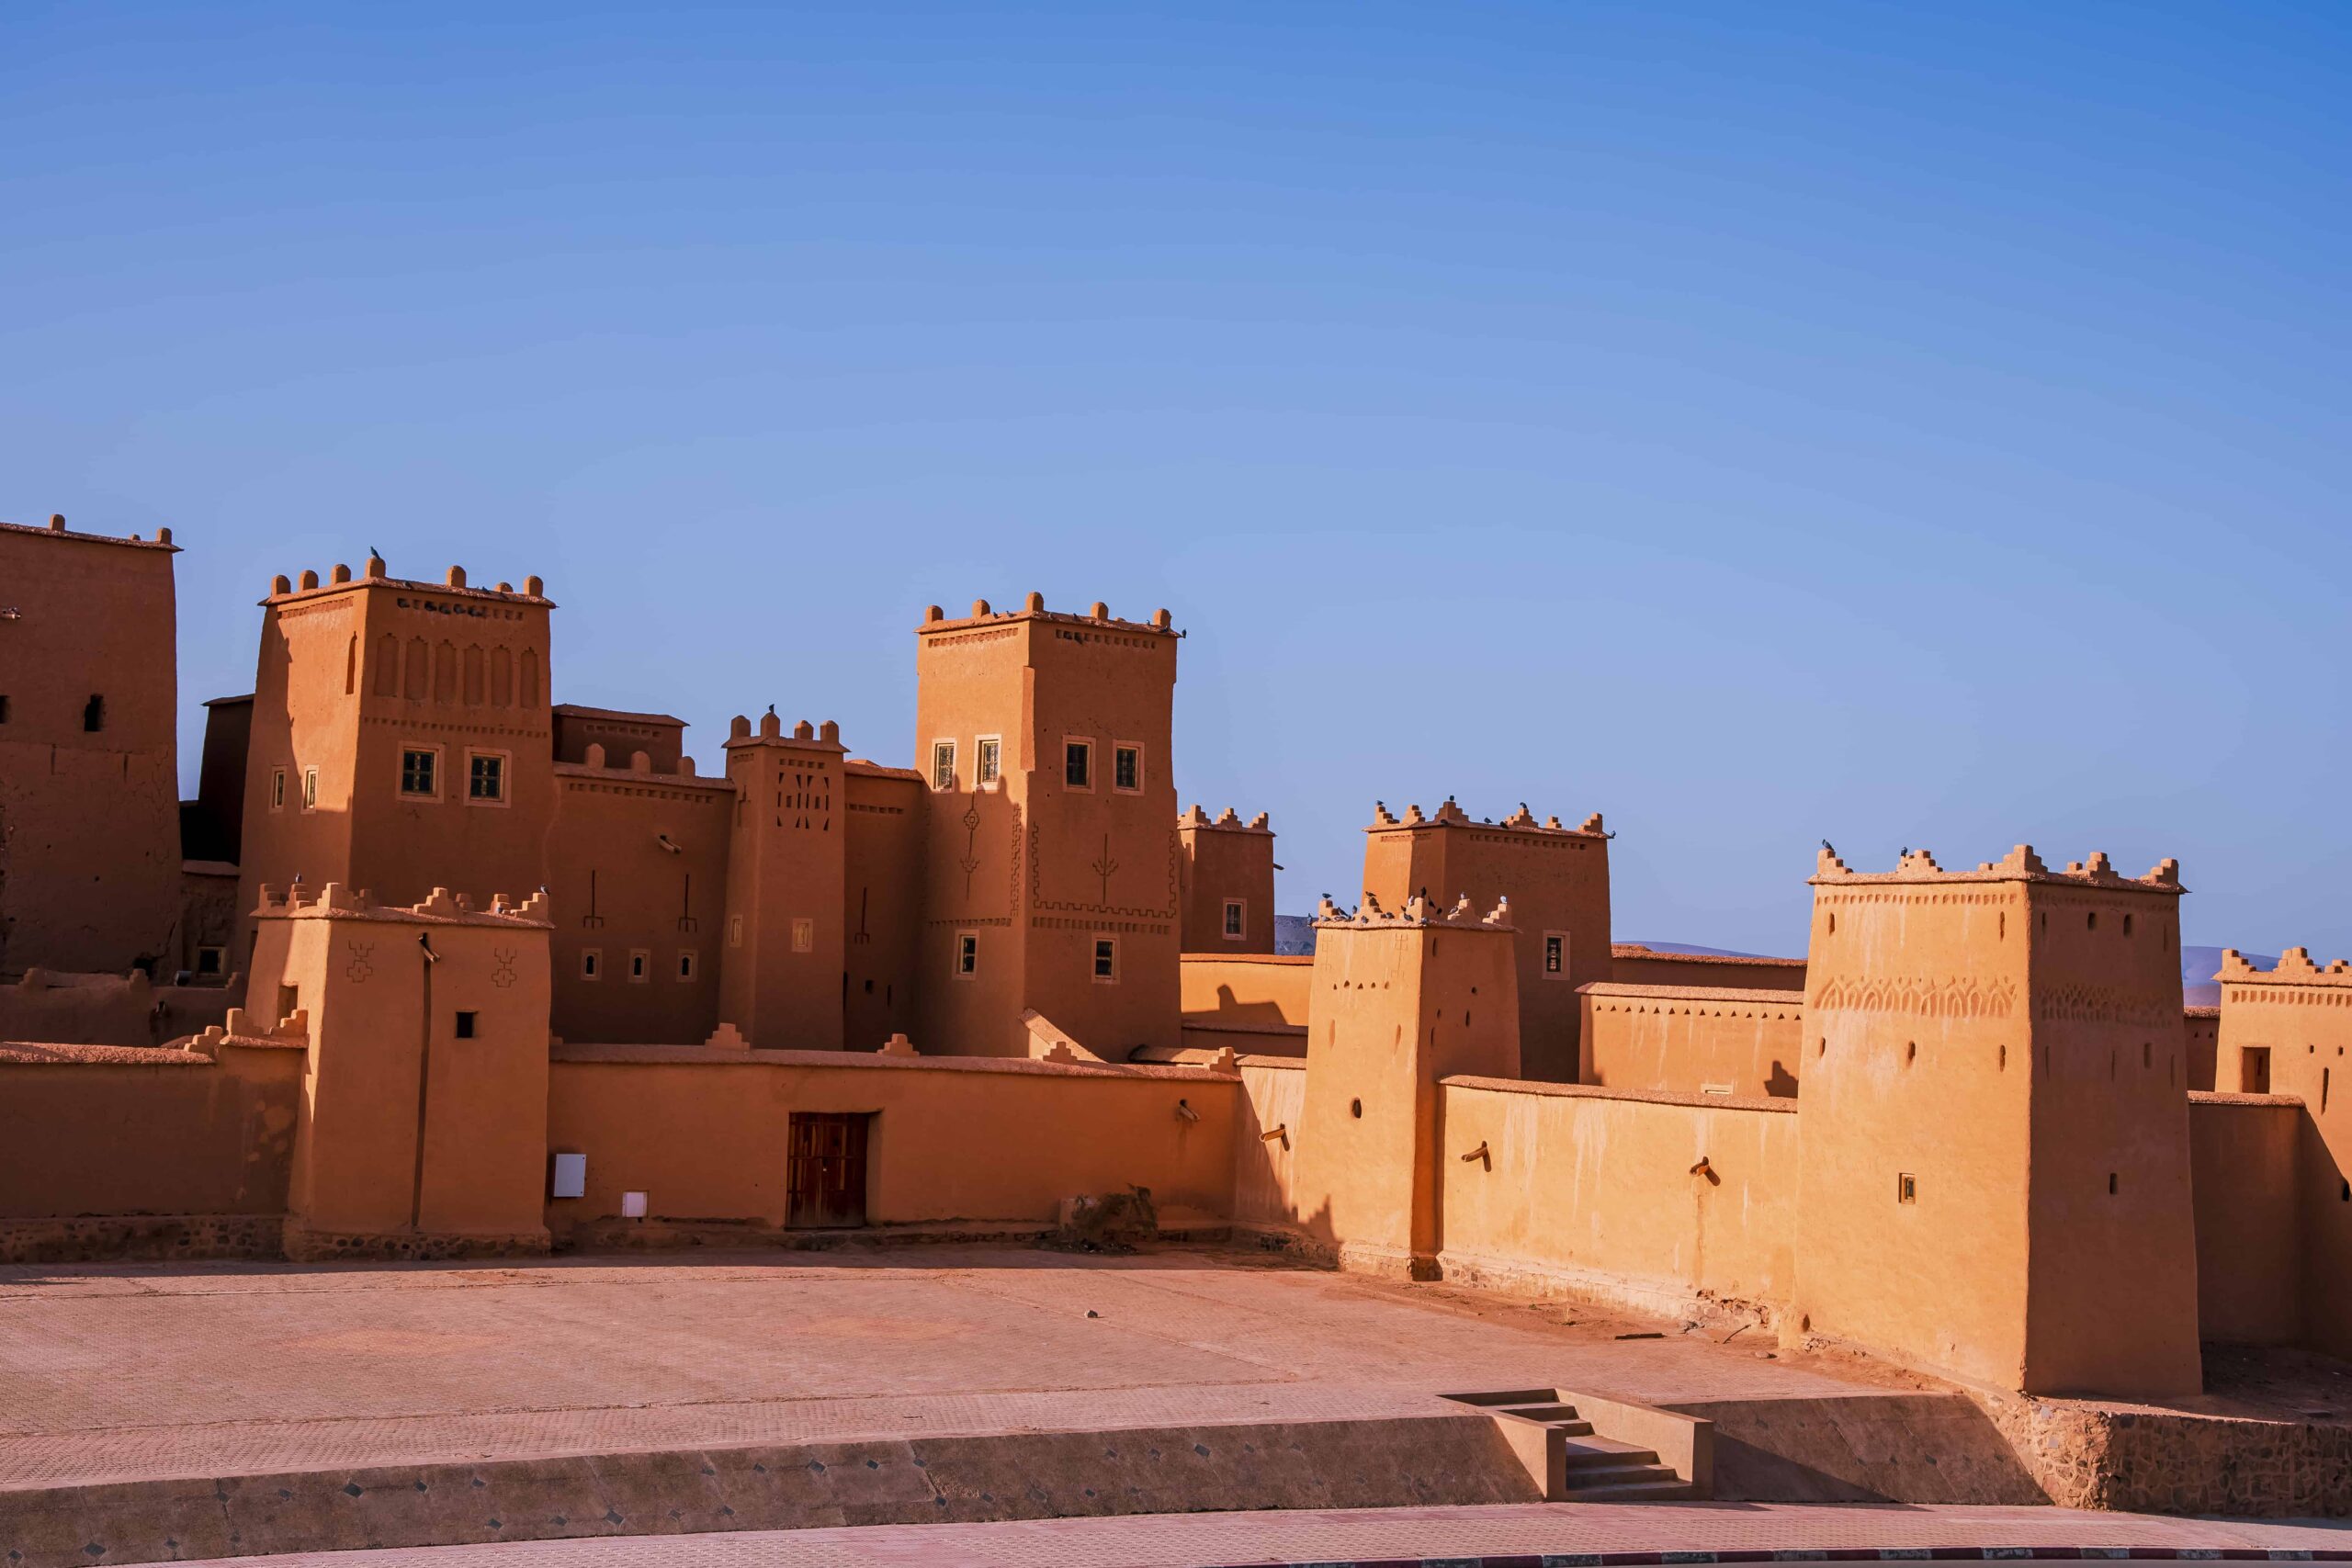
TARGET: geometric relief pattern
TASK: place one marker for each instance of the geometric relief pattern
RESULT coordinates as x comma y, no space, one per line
357,969
2101,1004
1951,998
503,974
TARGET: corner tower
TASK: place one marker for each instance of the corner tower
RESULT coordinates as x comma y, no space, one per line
783,981
1995,1170
1051,864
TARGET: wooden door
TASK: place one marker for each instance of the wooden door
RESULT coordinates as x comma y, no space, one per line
825,1173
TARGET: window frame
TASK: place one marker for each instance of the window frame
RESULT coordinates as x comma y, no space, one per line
1567,947
803,933
426,749
988,762
467,1025
310,789
1227,926
278,789
219,956
963,958
640,966
688,961
506,761
1123,748
1078,742
1094,963
592,964
943,751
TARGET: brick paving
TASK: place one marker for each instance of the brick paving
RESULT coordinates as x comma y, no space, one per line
127,1371
1527,1534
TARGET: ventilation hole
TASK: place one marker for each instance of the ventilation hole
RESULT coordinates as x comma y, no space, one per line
1355,1108
1910,1052
2004,1059
2127,925
2091,920
2111,1184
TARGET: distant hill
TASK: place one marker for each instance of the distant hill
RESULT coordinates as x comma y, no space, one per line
1295,933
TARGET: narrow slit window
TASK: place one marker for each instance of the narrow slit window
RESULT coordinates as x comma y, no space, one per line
94,714
967,954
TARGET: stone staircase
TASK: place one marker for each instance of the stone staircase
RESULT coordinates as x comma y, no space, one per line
1575,1463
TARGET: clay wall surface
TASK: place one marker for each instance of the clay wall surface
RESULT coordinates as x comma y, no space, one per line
1689,1039
704,1133
2298,1016
107,1009
622,735
1594,1190
89,817
1258,988
1265,1140
1226,861
356,672
637,877
2201,1031
1557,882
784,985
1630,963
882,886
2242,1152
213,825
109,1130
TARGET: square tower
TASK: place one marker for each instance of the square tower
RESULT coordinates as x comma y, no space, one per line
1228,882
1995,1170
785,976
89,777
401,738
1052,866
1557,881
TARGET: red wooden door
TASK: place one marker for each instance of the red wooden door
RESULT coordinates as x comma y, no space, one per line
825,1172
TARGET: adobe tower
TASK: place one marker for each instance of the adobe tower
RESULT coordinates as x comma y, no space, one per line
1052,871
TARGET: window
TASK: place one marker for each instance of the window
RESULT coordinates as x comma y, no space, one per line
1106,960
310,789
734,930
967,954
2253,1070
686,963
1077,763
641,965
990,762
94,714
465,1026
419,771
943,764
1906,1189
208,960
1127,768
486,777
278,789
4,707
1236,920
1555,955
804,935
592,963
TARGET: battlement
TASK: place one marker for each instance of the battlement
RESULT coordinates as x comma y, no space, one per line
1229,820
1449,815
826,736
335,901
340,580
2020,864
58,530
1033,608
2294,968
1418,912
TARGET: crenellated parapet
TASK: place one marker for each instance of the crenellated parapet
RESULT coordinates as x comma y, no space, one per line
58,530
2020,864
1033,608
1450,813
1416,911
2295,968
283,589
334,901
1228,821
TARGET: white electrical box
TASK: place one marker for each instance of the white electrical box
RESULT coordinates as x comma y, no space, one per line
632,1205
571,1178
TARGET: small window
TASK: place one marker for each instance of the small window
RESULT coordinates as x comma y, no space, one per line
1106,960
1555,955
641,965
990,762
310,789
485,778
2111,1184
943,764
278,789
1077,763
1906,1189
592,963
465,1026
804,935
686,963
208,960
1236,920
734,930
94,714
4,707
419,771
967,954
2253,1070
1127,768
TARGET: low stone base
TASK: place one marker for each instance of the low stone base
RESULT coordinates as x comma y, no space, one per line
304,1245
110,1239
2088,1455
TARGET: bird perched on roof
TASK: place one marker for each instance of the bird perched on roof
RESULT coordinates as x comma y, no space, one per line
1830,847
374,553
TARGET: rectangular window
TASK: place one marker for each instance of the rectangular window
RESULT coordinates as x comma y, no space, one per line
943,764
208,960
4,707
1236,920
419,771
967,954
641,965
1127,768
278,789
990,762
1555,955
1906,1189
310,789
1077,763
686,963
94,714
734,930
1106,960
465,1026
2253,1070
486,777
592,963
804,936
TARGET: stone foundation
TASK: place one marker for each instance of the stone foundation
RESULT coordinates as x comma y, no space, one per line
2084,1455
303,1245
109,1238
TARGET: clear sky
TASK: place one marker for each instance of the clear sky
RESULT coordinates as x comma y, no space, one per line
1906,424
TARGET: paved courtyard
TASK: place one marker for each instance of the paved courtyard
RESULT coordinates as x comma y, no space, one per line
124,1372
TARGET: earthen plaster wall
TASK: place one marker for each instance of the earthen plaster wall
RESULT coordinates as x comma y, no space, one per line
1226,861
1691,1039
882,889
703,1132
1631,964
2243,1151
1255,988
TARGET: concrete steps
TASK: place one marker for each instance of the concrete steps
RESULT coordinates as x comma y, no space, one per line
1574,1463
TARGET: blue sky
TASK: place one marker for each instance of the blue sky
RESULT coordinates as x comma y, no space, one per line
1906,425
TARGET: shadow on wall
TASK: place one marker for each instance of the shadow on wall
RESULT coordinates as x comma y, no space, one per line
50,1009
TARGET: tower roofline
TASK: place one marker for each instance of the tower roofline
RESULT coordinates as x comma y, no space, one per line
2020,864
1033,608
1449,815
285,590
56,529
